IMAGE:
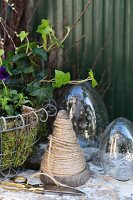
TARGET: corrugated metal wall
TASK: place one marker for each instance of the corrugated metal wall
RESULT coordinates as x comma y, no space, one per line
107,45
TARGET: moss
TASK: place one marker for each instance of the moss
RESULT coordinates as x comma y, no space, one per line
42,131
16,146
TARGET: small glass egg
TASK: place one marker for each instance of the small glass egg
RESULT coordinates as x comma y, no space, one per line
116,149
87,111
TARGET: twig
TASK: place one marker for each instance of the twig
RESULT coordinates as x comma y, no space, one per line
81,14
11,5
100,52
4,28
75,43
105,85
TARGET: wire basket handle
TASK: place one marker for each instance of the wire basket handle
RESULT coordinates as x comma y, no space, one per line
29,113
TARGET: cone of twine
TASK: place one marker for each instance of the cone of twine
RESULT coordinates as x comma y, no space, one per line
64,160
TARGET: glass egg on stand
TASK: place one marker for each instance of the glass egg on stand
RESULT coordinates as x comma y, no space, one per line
87,112
116,149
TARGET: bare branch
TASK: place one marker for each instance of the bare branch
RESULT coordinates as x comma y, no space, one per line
104,84
81,14
100,52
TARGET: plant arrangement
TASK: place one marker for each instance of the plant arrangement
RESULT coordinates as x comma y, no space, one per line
26,64
25,81
14,147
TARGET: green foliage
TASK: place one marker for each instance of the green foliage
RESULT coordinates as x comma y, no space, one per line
1,54
61,78
40,52
41,92
93,80
48,34
11,102
24,67
22,35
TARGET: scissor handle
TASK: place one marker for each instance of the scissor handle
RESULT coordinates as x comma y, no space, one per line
19,179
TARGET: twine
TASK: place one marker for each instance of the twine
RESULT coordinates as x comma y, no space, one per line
64,157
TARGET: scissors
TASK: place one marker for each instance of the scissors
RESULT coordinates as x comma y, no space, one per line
18,183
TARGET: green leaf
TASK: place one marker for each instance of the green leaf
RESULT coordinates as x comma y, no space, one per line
91,74
58,79
45,27
2,52
33,86
28,70
19,56
43,93
9,110
61,79
0,61
22,35
41,75
41,53
66,78
14,92
23,47
94,82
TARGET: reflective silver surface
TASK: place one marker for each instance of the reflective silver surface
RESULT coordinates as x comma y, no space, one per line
86,110
116,149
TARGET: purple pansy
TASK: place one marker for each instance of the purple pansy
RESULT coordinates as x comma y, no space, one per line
3,74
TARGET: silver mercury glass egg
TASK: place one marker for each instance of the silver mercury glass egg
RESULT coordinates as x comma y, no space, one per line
116,149
87,112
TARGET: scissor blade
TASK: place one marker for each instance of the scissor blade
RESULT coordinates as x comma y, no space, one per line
61,190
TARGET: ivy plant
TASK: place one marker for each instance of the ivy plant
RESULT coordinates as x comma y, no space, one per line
62,79
24,65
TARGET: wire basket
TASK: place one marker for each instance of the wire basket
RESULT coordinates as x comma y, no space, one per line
18,134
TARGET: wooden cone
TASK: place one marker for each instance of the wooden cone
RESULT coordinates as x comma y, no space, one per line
64,158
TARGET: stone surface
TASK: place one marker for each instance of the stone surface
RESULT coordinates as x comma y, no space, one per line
99,187
90,153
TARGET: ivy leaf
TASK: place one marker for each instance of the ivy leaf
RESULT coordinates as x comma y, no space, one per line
61,78
43,93
35,89
66,78
40,52
33,86
24,46
91,74
45,28
22,35
18,56
28,70
94,82
58,79
1,54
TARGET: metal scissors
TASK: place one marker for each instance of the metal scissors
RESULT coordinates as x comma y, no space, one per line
18,183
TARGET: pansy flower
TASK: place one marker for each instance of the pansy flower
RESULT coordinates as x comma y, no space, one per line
4,75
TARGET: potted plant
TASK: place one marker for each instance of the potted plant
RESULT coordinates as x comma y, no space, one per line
17,128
